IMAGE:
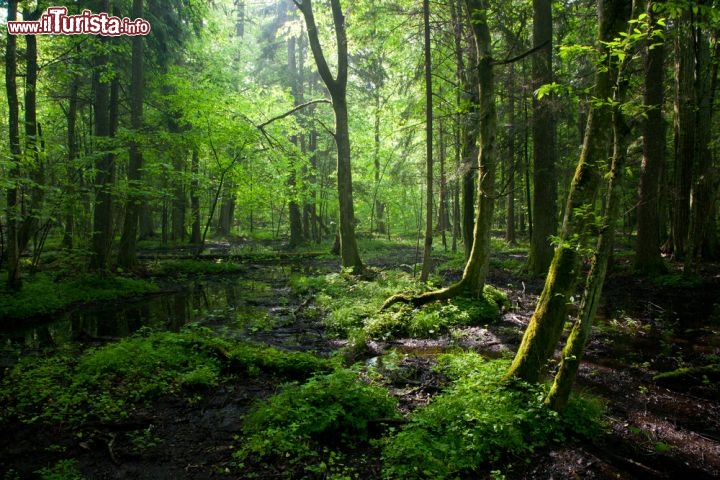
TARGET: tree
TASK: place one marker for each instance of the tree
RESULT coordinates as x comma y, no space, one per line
337,87
546,325
647,247
476,268
427,250
128,241
14,281
544,204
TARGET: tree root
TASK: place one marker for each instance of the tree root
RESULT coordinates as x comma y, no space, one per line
427,297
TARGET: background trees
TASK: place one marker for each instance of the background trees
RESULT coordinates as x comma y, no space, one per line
233,135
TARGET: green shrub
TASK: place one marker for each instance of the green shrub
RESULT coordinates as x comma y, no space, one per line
304,420
476,422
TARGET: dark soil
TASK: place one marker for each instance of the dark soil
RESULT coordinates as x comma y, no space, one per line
655,430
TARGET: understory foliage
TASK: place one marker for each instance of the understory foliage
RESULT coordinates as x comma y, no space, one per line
305,423
479,420
108,383
353,307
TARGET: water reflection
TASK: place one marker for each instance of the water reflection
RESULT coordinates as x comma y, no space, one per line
227,303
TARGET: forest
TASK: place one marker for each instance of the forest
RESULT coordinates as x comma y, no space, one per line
367,239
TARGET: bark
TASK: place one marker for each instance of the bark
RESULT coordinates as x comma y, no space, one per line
427,245
685,130
14,281
34,158
510,225
73,173
647,248
104,165
703,192
476,268
195,197
572,354
544,198
337,87
127,256
469,149
294,212
546,325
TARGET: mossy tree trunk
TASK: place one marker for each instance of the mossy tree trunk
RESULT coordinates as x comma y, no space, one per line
476,268
546,325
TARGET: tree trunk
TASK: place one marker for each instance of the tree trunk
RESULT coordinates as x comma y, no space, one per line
73,173
427,246
511,162
469,149
546,325
127,257
349,254
647,248
195,196
685,130
544,198
14,280
703,193
476,268
104,165
33,145
294,212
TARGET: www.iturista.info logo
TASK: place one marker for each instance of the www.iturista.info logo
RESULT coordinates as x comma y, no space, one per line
56,21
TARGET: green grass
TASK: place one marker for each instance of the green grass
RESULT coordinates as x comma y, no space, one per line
42,294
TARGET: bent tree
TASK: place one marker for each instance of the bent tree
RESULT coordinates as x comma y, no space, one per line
337,86
546,325
476,268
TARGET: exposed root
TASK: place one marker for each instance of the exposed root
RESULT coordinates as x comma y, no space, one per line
425,298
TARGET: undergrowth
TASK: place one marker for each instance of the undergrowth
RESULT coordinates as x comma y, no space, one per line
352,306
108,383
481,420
305,425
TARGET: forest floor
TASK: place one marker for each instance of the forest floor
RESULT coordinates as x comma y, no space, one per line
655,429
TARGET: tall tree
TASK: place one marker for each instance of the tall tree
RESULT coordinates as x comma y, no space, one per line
647,248
427,249
14,281
546,325
337,86
127,255
472,281
544,199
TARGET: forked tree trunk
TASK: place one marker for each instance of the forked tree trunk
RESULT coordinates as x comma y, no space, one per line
546,325
337,86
